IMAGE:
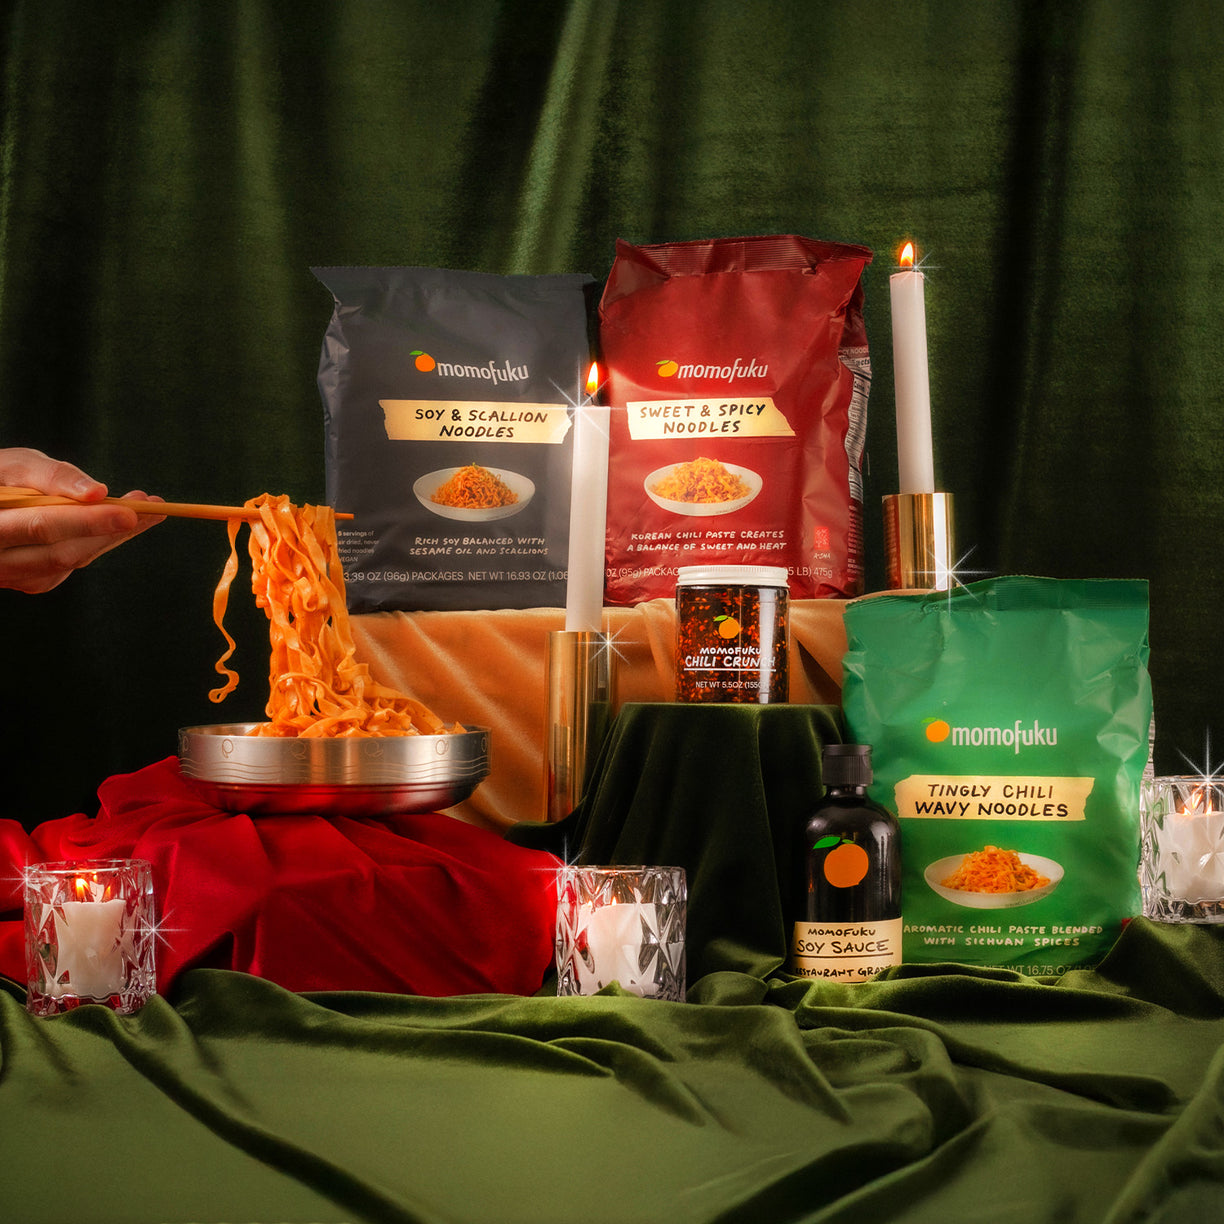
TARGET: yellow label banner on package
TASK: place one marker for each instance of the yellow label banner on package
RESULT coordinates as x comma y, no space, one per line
464,420
985,797
742,416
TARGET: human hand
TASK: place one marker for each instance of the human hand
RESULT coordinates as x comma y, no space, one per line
41,545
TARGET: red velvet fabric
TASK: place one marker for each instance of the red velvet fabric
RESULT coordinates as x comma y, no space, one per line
410,904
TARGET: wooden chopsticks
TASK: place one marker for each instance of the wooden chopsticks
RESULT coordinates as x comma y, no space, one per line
15,498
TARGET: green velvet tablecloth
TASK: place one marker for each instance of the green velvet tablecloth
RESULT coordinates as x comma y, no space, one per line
931,1095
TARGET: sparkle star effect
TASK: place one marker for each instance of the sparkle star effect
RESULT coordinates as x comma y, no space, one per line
958,571
1207,774
159,927
588,391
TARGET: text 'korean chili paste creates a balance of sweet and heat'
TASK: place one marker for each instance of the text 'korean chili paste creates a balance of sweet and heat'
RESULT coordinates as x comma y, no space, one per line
848,922
731,634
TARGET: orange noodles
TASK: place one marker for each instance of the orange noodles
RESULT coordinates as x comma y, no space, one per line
992,870
316,685
701,480
474,488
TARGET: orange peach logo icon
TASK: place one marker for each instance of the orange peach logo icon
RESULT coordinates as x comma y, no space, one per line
937,730
668,368
846,863
424,362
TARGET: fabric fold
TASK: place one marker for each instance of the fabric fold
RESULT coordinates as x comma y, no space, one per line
805,1101
419,904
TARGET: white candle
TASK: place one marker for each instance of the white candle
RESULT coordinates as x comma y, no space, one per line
1190,853
614,941
89,938
915,456
584,592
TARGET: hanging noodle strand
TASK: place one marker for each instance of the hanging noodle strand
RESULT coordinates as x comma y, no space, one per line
316,685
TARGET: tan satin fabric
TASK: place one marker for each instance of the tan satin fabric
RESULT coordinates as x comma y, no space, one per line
488,669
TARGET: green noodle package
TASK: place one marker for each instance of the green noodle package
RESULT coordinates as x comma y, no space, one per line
1010,726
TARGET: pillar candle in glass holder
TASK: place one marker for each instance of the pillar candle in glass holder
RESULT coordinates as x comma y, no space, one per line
1182,849
614,942
624,925
90,935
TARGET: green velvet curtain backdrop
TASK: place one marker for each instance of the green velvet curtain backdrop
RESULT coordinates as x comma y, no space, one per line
171,170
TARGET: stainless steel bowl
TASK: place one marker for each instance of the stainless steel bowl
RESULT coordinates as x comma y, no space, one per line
371,775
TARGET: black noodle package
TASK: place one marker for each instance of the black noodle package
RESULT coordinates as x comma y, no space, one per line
447,404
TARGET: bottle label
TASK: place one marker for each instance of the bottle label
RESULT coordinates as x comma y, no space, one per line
845,951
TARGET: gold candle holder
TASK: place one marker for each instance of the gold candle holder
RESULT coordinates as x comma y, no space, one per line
919,540
580,679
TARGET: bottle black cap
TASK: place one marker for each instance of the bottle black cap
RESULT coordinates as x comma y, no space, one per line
847,764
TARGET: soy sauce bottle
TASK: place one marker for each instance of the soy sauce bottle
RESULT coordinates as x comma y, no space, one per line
848,924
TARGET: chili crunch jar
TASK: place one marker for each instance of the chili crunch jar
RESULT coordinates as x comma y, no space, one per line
731,633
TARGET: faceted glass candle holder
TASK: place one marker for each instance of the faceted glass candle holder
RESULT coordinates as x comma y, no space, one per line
621,924
1181,855
90,935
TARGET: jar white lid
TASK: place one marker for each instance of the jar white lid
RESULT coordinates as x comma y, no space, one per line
732,575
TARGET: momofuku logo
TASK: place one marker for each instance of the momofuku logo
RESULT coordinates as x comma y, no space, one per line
1019,735
490,371
749,367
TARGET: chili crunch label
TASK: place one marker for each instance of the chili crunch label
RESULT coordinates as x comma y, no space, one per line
731,636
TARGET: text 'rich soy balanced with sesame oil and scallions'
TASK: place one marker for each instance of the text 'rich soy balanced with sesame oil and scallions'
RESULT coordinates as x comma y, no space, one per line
848,921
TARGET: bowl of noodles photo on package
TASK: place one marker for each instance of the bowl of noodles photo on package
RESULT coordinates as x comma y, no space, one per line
701,487
472,493
992,878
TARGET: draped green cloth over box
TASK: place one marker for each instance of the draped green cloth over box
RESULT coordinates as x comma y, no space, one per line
720,790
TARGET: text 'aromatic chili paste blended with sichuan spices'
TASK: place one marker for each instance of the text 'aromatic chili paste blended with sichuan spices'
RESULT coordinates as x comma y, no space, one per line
731,631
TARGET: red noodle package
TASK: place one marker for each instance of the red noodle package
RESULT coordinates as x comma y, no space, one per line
742,369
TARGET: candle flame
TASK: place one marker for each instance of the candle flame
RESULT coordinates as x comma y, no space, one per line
87,887
1200,802
592,382
906,259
